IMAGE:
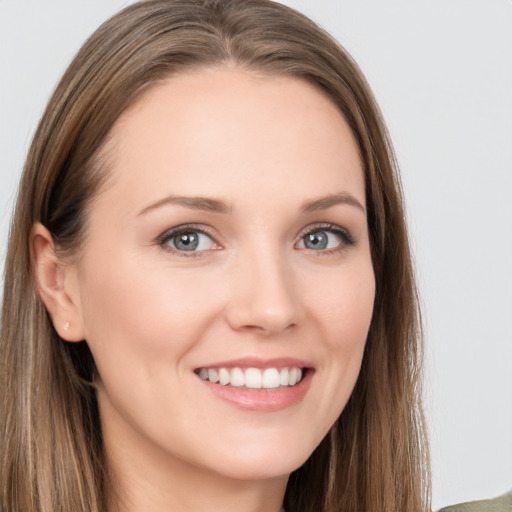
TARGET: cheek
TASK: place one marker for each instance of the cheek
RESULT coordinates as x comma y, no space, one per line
142,324
144,310
344,310
342,307
345,306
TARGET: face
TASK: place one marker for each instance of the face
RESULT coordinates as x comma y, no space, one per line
231,243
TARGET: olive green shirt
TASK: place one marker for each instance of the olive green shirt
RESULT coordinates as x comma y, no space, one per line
500,504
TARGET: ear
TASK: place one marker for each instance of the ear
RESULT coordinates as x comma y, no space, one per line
57,284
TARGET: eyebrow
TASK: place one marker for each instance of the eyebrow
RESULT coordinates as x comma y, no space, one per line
194,203
323,203
218,206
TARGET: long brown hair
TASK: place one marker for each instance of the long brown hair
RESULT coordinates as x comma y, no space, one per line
375,456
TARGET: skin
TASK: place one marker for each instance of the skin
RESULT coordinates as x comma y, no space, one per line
264,146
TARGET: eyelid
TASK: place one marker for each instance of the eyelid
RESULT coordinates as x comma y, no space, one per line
347,238
184,228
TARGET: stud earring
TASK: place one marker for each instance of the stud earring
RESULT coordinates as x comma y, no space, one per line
66,326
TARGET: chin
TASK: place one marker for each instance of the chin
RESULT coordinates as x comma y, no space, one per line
266,464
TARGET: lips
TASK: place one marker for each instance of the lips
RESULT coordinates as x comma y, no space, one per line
258,385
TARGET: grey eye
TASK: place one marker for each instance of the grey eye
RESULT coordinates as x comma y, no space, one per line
190,241
320,240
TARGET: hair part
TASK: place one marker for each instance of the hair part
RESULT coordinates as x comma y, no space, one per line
375,457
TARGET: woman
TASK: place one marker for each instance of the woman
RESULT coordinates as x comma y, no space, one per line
209,299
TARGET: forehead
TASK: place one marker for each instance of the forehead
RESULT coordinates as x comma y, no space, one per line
218,130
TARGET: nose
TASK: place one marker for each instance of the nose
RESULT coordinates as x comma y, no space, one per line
263,296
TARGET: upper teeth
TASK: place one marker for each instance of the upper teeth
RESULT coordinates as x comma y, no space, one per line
253,378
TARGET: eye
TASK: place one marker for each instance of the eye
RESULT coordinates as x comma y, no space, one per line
189,240
319,241
328,238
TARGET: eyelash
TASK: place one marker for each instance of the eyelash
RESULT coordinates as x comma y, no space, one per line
347,240
180,230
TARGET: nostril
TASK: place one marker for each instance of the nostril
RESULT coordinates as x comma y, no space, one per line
266,328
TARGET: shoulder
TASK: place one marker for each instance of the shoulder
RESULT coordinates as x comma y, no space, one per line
500,504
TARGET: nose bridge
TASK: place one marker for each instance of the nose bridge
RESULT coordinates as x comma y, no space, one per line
264,297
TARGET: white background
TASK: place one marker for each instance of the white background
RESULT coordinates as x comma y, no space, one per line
442,73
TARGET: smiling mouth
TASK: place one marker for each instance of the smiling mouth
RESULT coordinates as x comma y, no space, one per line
253,378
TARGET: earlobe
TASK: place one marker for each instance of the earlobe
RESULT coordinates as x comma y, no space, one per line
56,284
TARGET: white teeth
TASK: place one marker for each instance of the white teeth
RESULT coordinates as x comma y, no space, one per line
252,378
270,378
224,377
237,377
213,376
293,377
